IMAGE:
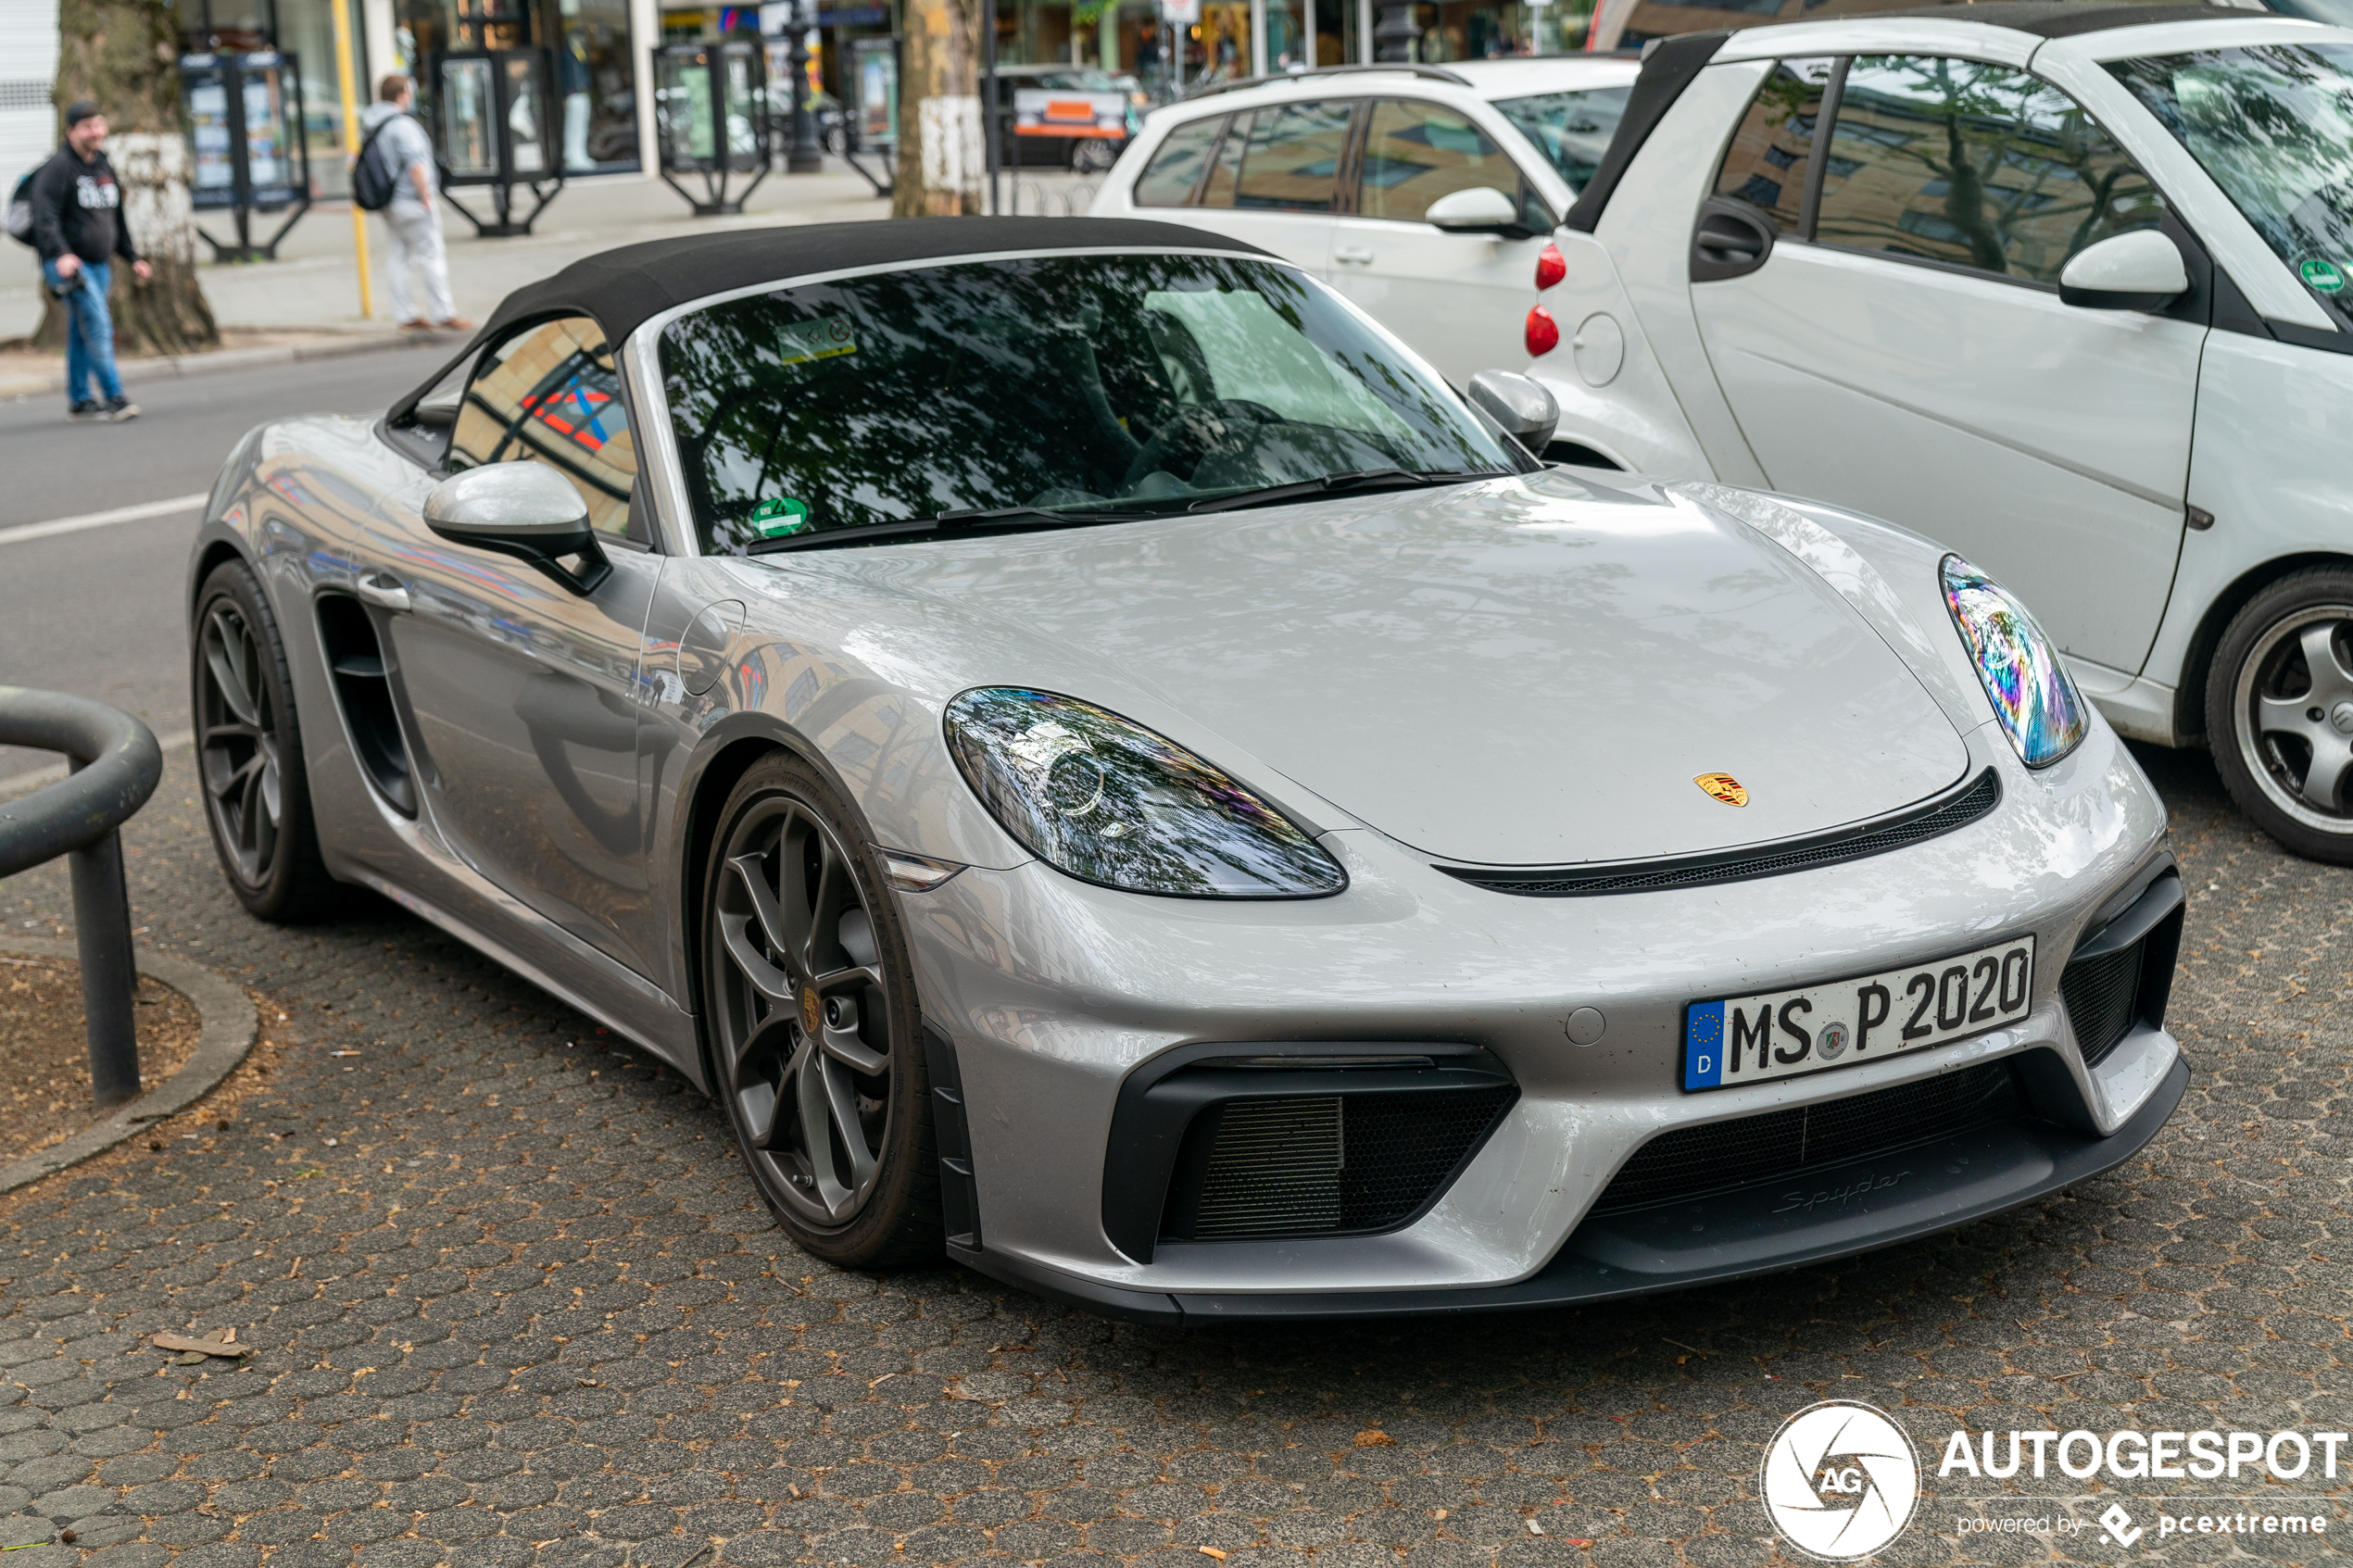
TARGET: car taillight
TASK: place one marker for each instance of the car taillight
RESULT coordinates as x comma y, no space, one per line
1551,267
1543,332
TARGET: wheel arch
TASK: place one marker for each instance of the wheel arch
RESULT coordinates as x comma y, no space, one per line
210,555
2197,663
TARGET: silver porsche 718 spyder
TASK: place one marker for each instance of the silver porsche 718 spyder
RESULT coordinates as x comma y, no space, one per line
1105,764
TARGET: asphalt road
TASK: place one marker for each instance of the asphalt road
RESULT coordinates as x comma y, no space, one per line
97,612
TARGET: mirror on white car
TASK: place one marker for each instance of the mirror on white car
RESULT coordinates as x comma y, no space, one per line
2141,271
524,509
1522,405
1482,209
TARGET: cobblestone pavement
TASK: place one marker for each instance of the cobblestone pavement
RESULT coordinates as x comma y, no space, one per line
513,1304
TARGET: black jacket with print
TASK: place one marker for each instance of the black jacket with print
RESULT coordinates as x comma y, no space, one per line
77,207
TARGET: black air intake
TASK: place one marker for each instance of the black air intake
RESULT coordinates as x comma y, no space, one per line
2122,972
1693,1161
1335,1165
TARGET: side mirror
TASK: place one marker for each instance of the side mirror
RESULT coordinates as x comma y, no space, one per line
527,510
1522,405
1481,210
2141,271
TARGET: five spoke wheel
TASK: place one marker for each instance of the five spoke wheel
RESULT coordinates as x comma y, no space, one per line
804,1013
2295,712
237,742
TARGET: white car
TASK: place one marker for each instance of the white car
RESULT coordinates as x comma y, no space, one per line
1424,194
2065,289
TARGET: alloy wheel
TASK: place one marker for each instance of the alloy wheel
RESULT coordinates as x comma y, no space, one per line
2294,714
238,743
804,1020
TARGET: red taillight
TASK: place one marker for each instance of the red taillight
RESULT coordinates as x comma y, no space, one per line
1551,267
1543,332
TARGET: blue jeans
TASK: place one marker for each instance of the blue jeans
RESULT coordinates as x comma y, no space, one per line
90,342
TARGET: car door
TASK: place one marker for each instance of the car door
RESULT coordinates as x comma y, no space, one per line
1887,324
1458,300
1273,179
524,693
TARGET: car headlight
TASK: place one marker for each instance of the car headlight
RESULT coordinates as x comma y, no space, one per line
2038,704
1109,801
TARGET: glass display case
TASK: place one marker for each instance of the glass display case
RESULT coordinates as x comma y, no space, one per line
244,114
491,129
711,114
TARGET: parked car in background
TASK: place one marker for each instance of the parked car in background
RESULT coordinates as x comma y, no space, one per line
1075,117
1422,192
2065,288
1629,24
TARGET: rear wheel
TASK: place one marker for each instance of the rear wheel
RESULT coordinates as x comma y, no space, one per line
811,1024
1092,155
256,795
2279,712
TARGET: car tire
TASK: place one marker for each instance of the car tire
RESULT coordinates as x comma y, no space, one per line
249,756
1091,156
812,1036
2286,657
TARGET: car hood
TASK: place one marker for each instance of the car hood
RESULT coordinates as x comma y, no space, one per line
1517,671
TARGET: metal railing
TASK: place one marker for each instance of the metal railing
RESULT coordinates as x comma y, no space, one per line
115,765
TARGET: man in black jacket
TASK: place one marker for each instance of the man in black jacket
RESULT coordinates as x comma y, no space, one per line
79,229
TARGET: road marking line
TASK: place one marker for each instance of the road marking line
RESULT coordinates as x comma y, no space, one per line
100,519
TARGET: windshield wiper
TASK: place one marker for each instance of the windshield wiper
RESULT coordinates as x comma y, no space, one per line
1349,479
992,519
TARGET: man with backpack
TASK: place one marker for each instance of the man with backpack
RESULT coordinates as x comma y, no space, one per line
79,230
393,174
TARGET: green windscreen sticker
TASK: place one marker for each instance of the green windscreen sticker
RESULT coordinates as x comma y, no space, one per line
780,515
827,339
2321,275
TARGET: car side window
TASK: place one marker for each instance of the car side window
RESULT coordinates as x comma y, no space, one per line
1175,172
1291,161
1416,152
552,394
1976,165
1766,163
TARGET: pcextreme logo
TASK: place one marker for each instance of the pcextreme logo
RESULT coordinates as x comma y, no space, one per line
1840,1480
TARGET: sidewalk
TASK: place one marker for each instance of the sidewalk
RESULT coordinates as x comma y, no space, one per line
312,284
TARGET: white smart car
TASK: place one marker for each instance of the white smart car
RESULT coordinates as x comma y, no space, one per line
2063,287
1422,192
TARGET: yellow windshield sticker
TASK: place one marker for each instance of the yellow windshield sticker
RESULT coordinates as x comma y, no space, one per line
827,339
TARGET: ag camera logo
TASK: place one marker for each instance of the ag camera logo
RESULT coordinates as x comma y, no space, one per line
1840,1480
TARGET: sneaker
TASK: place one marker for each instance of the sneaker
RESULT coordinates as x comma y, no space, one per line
85,410
455,324
119,409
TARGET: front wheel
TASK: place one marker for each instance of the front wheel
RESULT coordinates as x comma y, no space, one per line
2279,712
249,752
812,1027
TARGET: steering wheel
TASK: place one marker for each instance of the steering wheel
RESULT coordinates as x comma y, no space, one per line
1191,434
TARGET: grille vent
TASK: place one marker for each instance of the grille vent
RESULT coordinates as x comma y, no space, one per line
1340,1164
2103,997
1693,1161
1799,855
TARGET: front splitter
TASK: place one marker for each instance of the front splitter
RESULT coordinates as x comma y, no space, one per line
1838,1211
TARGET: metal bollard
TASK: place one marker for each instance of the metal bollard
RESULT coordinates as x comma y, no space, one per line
115,765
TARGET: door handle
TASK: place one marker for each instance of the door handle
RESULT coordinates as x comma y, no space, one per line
384,593
1357,253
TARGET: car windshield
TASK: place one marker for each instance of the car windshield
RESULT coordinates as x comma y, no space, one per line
2273,125
1076,384
1571,128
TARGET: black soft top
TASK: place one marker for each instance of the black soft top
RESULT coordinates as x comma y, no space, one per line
623,288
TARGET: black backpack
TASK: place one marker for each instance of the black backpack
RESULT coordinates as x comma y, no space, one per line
371,184
20,219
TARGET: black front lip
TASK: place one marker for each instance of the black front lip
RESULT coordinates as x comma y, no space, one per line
1834,1213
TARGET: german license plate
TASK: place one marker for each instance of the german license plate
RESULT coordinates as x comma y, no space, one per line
1815,1028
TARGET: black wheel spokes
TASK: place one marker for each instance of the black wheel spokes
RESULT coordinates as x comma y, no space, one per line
806,1027
238,748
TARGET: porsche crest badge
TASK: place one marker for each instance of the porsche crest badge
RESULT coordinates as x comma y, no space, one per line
1724,787
810,1014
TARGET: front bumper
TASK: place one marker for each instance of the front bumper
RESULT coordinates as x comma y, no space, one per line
1051,998
1982,1171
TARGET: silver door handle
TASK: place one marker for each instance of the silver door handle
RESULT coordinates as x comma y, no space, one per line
1353,252
384,593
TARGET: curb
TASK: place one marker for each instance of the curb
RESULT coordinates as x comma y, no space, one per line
178,366
229,1027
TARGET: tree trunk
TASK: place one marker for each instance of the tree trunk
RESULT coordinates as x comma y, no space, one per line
124,56
941,159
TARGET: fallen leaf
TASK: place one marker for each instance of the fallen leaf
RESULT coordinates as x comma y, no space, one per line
1375,1438
1212,1551
213,1347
